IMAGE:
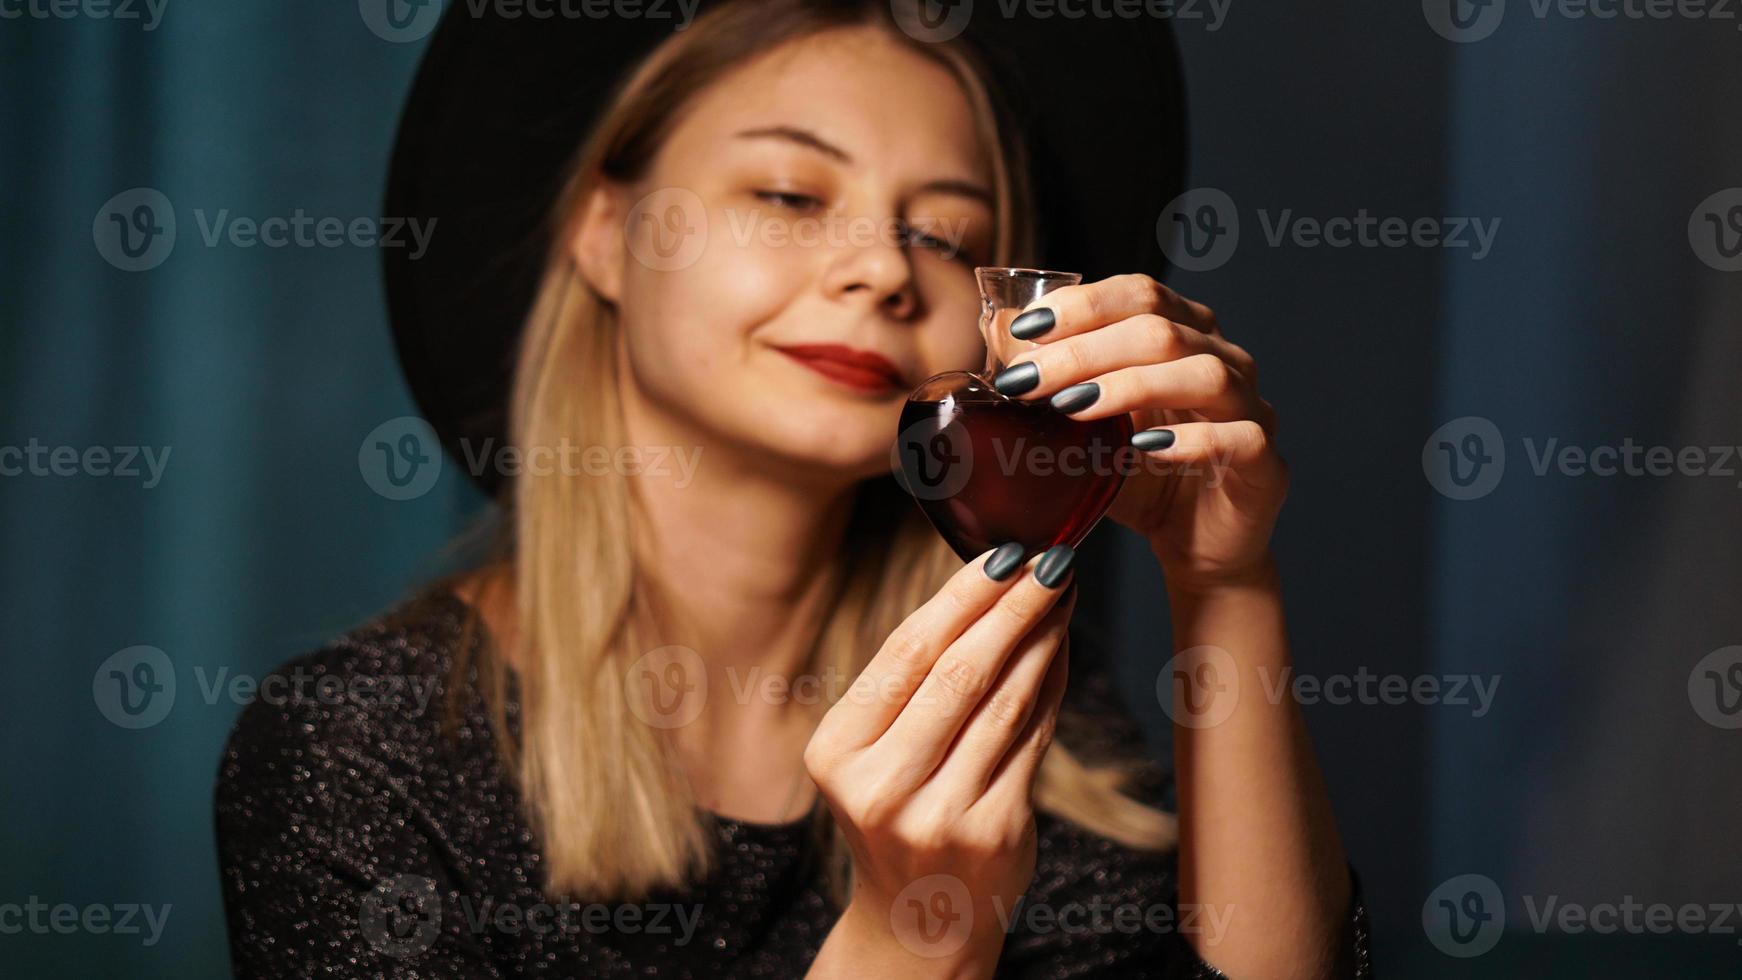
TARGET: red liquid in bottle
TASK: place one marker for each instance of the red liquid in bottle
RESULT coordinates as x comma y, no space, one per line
987,469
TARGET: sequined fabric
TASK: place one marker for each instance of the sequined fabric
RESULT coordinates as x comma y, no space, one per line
356,838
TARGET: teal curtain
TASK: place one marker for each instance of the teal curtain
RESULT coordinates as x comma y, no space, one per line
253,373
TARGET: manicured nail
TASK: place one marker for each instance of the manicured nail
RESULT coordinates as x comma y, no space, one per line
1032,324
1007,559
1054,565
1018,380
1149,440
1076,397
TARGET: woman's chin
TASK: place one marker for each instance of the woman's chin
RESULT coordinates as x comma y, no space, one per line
841,456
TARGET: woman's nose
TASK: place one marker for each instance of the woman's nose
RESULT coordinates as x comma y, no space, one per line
879,274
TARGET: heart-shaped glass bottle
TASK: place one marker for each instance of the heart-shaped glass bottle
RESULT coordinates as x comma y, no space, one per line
987,468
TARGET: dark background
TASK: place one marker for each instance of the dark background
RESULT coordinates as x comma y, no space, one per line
1595,319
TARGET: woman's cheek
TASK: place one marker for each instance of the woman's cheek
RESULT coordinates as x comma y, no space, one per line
951,341
693,324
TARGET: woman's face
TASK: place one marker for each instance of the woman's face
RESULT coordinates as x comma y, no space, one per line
773,220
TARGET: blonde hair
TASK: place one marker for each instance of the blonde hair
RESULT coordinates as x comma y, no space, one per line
604,791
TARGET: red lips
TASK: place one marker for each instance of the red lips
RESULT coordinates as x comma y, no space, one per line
861,370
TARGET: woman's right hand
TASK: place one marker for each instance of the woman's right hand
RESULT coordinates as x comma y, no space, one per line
928,764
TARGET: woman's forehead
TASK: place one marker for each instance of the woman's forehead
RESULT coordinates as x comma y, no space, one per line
871,98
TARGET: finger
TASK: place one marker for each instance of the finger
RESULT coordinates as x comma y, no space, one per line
1003,714
928,723
1202,383
1012,782
1134,341
1242,446
876,696
1071,310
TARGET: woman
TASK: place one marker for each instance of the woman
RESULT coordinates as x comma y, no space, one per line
612,785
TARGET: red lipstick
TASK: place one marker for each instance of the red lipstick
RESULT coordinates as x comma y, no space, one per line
861,370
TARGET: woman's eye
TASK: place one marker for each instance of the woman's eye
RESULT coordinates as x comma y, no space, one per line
946,249
789,200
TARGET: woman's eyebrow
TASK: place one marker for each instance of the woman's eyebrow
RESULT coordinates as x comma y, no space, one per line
961,187
802,137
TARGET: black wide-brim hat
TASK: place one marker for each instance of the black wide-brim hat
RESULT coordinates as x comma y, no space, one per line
501,104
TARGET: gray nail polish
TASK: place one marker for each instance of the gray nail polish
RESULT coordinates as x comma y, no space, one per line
1007,559
1032,324
1054,565
1019,379
1149,440
1076,397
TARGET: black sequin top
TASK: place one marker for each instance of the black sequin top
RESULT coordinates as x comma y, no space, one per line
357,838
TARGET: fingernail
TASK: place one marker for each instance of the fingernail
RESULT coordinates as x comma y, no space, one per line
1076,397
1054,565
1149,440
1032,324
1007,559
1017,380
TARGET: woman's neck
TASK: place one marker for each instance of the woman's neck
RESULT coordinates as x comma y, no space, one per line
742,551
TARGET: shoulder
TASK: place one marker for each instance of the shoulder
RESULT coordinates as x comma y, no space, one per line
374,697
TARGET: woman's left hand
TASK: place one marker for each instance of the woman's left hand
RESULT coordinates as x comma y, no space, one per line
1128,344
